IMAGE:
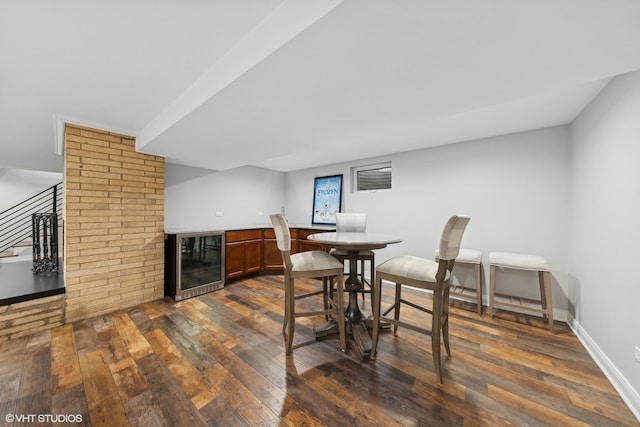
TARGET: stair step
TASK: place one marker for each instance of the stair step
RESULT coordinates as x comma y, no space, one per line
24,243
7,254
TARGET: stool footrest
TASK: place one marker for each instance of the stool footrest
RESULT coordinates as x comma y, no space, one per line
463,292
510,301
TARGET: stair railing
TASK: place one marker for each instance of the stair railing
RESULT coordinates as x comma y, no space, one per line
16,222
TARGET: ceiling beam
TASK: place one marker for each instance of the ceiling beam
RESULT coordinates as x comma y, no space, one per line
283,24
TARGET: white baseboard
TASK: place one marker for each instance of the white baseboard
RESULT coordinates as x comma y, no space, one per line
619,382
558,315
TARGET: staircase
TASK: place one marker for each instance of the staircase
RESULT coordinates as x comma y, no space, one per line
16,223
31,288
18,252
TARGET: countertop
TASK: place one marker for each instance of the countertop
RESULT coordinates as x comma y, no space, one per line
204,229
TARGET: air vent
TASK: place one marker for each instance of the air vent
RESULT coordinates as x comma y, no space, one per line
370,178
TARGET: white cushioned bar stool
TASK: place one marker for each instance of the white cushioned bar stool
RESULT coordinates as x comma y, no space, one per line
311,265
472,257
355,222
521,262
415,272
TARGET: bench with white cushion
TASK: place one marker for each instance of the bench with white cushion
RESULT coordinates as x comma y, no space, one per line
524,262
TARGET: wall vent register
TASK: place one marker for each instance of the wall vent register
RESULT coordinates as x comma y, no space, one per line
372,177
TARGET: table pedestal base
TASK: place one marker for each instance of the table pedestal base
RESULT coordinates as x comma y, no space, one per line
326,328
358,331
362,338
357,324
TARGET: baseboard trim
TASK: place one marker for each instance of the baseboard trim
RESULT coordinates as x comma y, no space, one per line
558,315
628,394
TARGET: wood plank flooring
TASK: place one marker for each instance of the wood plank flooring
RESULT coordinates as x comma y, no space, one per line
218,360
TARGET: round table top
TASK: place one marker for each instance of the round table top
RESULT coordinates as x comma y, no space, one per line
354,240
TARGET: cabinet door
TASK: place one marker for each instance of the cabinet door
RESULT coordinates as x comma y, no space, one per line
309,245
271,255
234,259
243,235
253,256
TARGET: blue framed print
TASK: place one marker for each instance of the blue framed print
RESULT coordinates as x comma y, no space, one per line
327,199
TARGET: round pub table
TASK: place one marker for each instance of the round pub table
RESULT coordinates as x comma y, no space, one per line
352,243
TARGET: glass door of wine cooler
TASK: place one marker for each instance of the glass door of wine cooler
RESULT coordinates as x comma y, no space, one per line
194,264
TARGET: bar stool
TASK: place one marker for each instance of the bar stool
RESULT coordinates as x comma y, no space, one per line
528,263
308,264
415,272
472,257
355,222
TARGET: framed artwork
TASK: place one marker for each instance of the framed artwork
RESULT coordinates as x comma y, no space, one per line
327,199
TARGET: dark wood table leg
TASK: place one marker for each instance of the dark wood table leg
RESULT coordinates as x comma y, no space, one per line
354,316
357,325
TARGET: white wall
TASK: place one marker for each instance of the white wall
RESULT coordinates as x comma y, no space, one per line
604,233
568,193
514,187
193,196
17,185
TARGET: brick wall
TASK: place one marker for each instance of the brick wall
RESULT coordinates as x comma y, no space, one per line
114,223
28,317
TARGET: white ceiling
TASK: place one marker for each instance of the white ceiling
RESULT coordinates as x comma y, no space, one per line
290,84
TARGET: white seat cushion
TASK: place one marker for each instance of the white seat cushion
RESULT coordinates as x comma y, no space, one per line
314,260
469,256
411,267
518,261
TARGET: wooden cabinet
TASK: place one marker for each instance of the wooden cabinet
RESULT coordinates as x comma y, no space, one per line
272,258
309,245
256,250
243,252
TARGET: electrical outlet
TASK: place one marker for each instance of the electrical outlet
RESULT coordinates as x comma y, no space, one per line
219,213
637,353
260,213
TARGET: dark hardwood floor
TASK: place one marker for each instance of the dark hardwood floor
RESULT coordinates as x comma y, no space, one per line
218,360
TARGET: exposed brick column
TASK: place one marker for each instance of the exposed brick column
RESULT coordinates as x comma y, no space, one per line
114,223
29,317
